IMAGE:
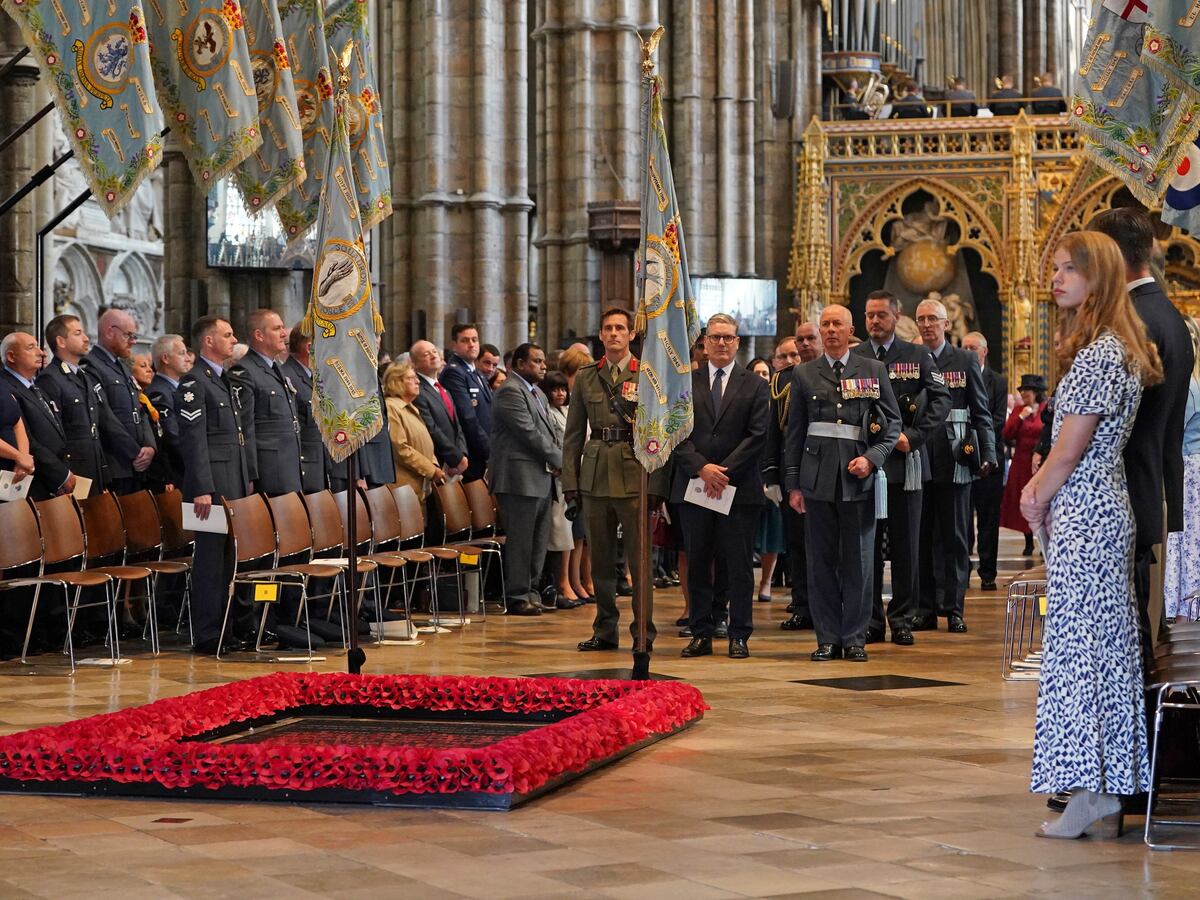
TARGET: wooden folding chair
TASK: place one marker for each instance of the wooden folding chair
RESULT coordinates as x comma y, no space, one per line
485,529
456,519
64,544
177,544
294,539
144,547
328,531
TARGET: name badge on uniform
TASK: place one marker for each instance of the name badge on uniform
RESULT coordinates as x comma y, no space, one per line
629,391
860,388
955,379
904,371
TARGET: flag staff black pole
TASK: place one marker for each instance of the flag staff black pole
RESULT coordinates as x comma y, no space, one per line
355,656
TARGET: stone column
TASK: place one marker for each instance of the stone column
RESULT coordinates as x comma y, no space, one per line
190,288
1034,35
1008,38
18,229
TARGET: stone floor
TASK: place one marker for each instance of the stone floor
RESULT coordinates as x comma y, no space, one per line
784,789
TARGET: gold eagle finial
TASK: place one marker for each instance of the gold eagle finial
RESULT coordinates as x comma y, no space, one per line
649,47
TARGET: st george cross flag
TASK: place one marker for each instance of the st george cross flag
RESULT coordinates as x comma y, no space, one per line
202,74
96,60
304,34
344,22
1181,202
342,317
1135,123
666,313
278,165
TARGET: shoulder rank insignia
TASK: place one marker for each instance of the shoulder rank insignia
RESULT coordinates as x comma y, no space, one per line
937,378
190,415
66,368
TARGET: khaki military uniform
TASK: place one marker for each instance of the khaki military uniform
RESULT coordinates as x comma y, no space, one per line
600,465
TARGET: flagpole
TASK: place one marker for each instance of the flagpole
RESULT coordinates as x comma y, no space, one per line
355,655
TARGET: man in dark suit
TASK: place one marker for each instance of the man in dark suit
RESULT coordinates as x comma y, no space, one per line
472,396
47,440
724,452
1006,101
437,409
1047,99
171,361
272,424
298,368
986,493
528,459
212,432
945,560
924,401
88,423
909,104
105,363
962,101
843,423
1154,454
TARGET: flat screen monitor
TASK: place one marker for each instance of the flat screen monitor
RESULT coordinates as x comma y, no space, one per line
238,240
749,300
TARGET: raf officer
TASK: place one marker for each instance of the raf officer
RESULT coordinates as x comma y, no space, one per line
600,467
945,560
89,425
272,425
924,401
105,364
843,423
171,360
298,368
216,467
986,493
471,395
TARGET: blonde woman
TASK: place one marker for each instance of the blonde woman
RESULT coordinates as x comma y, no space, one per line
1090,732
412,446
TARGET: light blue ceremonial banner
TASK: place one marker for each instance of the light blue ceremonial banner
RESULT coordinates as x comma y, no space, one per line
96,59
278,165
1181,202
304,34
666,313
202,73
346,22
342,317
1136,122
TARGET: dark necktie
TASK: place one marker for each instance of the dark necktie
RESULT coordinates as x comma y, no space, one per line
37,392
837,370
881,352
717,392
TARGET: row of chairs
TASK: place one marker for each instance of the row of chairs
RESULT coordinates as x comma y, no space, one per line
1173,799
108,542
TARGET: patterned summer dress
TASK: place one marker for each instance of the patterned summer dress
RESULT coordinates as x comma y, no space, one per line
1091,727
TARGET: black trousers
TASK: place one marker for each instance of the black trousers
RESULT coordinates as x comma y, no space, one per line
526,521
903,529
1143,560
986,494
720,543
212,573
840,540
944,520
793,529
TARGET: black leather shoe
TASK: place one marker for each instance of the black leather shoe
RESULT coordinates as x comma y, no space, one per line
721,629
685,631
796,623
1058,802
594,643
923,623
738,648
566,603
987,585
681,621
956,625
874,635
699,646
856,654
826,652
902,636
625,590
522,608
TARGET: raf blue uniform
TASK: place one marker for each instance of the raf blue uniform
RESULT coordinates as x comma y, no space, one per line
923,400
473,405
213,441
946,509
121,396
312,447
271,425
834,410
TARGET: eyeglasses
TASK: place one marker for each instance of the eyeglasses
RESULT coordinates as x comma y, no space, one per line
129,335
930,320
721,338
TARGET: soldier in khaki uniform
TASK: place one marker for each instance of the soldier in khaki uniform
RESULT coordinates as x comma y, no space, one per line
600,467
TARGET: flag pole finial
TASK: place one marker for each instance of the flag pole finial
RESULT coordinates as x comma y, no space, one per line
648,48
343,65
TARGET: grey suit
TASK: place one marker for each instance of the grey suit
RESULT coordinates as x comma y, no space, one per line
840,517
121,395
312,448
271,424
525,448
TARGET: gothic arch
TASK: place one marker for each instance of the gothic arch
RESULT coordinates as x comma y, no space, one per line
130,283
866,231
78,286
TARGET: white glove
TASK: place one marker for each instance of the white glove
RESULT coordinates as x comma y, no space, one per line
773,493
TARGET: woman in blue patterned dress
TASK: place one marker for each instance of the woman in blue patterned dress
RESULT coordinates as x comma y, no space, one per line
1090,735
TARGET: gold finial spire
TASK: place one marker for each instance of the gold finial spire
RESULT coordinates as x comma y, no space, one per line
343,65
648,48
